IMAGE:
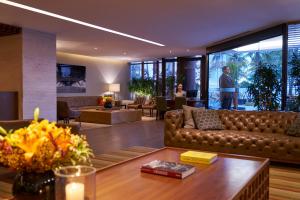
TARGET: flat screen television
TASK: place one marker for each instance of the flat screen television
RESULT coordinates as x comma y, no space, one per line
70,78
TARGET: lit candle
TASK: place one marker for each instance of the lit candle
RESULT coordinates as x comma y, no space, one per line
75,191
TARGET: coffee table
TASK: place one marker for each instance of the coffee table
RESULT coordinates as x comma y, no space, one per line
114,116
230,177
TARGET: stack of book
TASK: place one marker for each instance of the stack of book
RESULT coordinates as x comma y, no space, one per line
198,157
165,168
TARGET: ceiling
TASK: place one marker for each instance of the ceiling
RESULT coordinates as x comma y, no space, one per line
184,27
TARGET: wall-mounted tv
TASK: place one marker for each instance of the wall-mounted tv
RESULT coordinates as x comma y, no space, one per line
70,78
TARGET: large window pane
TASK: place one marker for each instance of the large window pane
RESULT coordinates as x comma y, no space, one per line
293,87
149,71
171,74
242,62
135,71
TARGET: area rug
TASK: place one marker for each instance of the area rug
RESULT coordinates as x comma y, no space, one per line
284,181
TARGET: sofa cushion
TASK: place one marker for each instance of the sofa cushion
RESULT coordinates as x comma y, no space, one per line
294,129
188,116
207,120
257,121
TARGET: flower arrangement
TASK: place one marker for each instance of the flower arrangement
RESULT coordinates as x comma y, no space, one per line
42,146
108,99
108,102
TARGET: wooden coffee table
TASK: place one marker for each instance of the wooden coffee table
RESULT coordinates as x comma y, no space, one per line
114,116
230,177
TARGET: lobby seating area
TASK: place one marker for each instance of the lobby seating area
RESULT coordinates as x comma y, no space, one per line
150,100
262,134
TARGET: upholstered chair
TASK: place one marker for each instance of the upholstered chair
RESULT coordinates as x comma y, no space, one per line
138,103
149,106
65,113
161,107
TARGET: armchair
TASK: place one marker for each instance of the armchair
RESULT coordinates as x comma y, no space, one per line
150,106
65,113
138,103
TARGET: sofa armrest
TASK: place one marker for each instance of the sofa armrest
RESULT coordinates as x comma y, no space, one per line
174,119
173,122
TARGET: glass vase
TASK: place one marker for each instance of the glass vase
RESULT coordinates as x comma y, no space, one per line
32,185
75,183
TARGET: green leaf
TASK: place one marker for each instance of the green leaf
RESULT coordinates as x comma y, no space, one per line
36,114
3,131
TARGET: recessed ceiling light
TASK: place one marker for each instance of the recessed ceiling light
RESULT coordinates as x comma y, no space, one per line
43,12
95,48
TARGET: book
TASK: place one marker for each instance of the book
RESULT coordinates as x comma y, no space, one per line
198,157
170,169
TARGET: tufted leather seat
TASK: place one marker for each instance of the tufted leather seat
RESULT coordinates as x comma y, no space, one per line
246,132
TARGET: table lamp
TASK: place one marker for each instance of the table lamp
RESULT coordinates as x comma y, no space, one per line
114,87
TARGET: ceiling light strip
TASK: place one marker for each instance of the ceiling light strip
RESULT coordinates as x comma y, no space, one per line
43,12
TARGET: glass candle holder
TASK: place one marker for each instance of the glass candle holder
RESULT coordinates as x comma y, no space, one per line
75,183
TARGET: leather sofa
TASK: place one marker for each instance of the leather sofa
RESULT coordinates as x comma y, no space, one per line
250,133
16,124
80,102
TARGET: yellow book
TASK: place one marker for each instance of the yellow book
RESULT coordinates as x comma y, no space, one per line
198,157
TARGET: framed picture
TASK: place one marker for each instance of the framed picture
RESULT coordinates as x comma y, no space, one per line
70,78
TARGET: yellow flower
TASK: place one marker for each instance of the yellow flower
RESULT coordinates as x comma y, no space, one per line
42,146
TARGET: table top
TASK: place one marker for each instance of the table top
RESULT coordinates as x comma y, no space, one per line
223,179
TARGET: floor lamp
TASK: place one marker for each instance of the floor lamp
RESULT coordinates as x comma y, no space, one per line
115,87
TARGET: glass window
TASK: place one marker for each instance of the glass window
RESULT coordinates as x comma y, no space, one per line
293,81
149,70
135,70
171,76
242,63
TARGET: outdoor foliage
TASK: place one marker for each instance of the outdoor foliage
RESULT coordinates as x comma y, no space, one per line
265,87
170,84
295,75
142,87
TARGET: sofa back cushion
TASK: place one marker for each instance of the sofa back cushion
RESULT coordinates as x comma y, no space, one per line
257,121
207,120
80,101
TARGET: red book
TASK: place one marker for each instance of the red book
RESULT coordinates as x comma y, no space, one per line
170,169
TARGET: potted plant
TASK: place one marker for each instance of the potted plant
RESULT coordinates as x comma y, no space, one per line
265,87
36,150
142,87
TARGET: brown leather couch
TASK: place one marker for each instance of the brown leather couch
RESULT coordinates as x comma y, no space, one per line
16,124
246,132
80,102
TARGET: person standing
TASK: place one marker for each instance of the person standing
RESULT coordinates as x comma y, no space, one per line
180,92
227,89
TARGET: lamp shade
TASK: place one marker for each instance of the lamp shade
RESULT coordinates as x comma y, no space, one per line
114,87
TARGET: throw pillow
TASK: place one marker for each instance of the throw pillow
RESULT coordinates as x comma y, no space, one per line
207,120
188,116
294,129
